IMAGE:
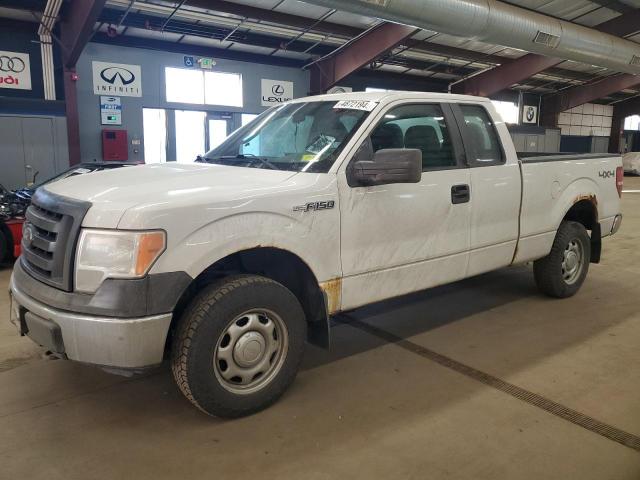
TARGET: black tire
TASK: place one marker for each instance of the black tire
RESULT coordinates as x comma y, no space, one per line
202,331
552,278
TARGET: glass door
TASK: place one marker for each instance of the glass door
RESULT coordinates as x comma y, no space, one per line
219,127
190,135
218,131
154,124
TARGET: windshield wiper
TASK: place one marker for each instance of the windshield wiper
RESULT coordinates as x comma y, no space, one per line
245,156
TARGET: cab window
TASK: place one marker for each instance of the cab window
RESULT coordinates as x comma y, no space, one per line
417,126
482,135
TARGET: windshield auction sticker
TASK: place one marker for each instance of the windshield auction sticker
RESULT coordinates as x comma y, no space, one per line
365,105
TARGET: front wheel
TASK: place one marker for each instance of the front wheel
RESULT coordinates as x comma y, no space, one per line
561,273
239,345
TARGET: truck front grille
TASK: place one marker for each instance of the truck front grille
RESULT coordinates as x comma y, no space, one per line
50,234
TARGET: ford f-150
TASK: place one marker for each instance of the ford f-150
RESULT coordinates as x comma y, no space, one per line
227,266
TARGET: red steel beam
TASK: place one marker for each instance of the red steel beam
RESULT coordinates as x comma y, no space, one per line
576,96
75,30
559,102
351,57
73,122
77,27
499,78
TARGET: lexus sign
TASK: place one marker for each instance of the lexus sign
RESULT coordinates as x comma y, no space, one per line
117,79
275,92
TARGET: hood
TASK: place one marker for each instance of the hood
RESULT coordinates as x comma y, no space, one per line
113,192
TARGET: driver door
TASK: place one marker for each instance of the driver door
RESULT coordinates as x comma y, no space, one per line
399,238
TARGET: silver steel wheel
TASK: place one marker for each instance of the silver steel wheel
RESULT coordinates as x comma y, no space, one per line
251,351
572,262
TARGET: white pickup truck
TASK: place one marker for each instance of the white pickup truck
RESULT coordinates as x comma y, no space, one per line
227,266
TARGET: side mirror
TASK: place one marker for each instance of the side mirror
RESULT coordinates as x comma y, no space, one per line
391,165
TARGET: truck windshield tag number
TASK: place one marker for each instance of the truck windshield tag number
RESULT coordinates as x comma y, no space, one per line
315,206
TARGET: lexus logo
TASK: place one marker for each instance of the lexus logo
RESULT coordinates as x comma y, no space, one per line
27,233
11,64
111,74
277,90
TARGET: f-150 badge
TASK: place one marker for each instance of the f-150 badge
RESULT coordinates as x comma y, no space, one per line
314,206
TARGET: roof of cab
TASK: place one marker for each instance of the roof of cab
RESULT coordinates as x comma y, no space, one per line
390,96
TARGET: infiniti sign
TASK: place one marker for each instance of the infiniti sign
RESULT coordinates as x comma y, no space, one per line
117,79
113,74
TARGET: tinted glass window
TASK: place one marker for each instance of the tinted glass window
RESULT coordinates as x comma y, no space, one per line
482,134
417,126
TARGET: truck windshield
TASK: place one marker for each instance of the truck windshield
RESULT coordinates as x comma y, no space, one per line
301,137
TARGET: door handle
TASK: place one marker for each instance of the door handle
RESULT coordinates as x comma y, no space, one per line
460,194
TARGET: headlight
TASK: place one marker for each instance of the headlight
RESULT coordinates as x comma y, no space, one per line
115,254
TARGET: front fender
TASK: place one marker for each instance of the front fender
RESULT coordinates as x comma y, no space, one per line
312,237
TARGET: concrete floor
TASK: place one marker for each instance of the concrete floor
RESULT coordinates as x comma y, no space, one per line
369,408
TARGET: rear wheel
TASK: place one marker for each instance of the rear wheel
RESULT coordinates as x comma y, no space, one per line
239,345
561,273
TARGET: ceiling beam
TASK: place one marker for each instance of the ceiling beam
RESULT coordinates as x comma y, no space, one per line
567,99
499,78
76,29
361,51
614,5
233,35
273,16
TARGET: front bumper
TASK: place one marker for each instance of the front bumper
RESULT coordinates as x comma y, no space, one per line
128,343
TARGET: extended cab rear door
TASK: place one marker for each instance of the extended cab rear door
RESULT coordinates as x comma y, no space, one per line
400,238
496,186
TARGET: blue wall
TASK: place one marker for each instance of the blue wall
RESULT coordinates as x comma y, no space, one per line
23,37
153,64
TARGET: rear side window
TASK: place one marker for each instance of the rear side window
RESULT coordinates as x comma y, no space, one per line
417,126
482,135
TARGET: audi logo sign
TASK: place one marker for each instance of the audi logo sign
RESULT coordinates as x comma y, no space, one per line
117,79
275,92
15,70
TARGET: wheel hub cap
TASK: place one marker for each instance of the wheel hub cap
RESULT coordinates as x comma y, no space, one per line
572,262
249,349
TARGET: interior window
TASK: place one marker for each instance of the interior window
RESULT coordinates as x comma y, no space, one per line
482,133
417,126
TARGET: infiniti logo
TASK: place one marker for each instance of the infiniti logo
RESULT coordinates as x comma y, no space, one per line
111,74
11,64
277,90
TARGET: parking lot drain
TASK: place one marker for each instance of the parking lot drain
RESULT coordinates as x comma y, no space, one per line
608,431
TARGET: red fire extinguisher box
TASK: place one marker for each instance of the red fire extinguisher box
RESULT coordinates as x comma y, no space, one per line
114,145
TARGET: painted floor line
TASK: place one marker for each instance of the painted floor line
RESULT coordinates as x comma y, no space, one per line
608,431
